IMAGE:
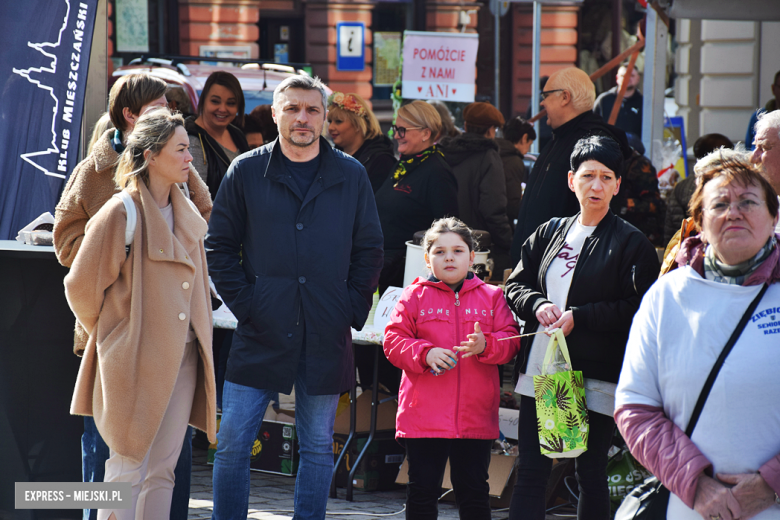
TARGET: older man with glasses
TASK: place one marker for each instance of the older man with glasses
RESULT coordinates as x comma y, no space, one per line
766,149
568,98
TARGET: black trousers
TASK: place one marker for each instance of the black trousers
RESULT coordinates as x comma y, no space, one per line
533,469
469,461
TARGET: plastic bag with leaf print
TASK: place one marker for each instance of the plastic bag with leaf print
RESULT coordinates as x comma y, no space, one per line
561,409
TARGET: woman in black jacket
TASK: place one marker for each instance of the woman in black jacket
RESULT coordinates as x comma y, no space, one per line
214,141
355,130
586,275
420,189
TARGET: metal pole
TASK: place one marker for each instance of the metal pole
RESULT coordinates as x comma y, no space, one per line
537,34
617,28
654,82
496,51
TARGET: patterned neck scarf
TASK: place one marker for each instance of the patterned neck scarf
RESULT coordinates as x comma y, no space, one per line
410,162
717,271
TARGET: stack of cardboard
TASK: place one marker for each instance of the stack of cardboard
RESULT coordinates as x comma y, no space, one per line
275,449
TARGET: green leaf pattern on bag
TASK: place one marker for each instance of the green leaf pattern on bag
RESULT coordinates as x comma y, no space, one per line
561,410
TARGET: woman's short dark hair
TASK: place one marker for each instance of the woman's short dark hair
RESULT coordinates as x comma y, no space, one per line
598,148
230,82
516,128
730,170
708,143
252,125
266,119
133,92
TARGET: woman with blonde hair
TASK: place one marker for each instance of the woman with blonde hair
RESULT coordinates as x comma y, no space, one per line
147,369
421,188
354,129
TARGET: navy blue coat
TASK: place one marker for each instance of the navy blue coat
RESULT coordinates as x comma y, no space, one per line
297,270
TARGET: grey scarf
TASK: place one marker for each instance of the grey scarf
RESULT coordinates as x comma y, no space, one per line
717,271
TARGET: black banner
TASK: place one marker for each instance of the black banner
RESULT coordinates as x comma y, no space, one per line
43,66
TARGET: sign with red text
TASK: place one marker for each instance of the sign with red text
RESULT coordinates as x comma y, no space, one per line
439,66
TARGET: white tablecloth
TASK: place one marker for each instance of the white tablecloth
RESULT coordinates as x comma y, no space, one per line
224,319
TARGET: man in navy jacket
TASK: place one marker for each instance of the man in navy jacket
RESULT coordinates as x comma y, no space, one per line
295,249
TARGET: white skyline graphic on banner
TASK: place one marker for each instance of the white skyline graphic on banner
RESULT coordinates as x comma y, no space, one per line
25,73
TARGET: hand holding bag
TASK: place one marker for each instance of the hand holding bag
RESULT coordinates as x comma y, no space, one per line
650,500
561,411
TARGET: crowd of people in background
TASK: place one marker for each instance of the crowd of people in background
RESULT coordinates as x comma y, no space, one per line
211,189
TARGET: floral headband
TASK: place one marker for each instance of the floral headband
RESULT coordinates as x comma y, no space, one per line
347,102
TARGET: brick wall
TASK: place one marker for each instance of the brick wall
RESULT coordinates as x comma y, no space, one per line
559,48
206,22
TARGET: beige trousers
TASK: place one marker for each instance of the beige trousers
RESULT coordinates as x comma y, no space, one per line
153,479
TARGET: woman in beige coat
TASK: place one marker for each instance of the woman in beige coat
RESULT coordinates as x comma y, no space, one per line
147,370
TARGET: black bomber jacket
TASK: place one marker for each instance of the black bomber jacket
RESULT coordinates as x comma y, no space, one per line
616,266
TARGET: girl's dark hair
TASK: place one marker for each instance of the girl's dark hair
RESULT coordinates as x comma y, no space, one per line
598,148
448,225
516,128
231,83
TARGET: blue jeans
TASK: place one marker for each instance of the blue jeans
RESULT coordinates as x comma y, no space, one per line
95,452
243,408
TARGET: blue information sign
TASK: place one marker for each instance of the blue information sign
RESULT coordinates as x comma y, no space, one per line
350,46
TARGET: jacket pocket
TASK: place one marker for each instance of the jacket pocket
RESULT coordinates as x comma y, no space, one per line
272,301
109,337
483,316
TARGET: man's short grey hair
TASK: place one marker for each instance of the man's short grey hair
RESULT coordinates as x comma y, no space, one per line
302,82
578,84
768,120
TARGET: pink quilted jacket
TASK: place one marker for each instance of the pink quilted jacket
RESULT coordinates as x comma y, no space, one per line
463,402
664,449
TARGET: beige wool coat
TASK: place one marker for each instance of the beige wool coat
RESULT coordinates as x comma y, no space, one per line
89,187
137,310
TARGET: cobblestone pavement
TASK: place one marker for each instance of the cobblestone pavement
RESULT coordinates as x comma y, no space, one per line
271,498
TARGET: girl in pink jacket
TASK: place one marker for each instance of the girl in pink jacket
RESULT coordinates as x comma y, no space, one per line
444,333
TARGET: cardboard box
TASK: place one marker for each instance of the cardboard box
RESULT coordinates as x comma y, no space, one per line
385,417
275,449
501,478
379,467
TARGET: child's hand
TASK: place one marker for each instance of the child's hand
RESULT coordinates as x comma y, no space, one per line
440,359
475,345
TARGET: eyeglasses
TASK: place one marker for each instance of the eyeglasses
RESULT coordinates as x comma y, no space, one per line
745,207
544,93
400,131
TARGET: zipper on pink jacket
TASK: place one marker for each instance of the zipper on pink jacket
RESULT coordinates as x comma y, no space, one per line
457,396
